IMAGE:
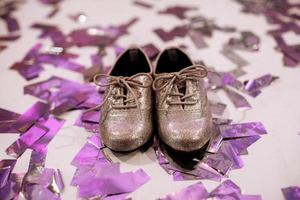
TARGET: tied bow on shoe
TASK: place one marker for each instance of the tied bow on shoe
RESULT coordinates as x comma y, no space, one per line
124,82
193,73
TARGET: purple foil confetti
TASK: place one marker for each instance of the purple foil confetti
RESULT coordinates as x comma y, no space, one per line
97,177
13,187
178,31
278,12
53,125
198,39
59,61
65,95
242,130
142,4
6,167
291,193
28,71
217,108
178,11
7,119
226,190
234,57
32,115
252,87
27,139
110,184
195,191
41,182
248,41
238,100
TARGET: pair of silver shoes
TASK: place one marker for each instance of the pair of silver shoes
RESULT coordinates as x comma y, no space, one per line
182,113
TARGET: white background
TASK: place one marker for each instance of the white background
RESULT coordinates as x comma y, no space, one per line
273,162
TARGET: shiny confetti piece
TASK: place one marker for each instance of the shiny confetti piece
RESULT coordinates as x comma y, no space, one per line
195,191
254,86
291,193
9,38
178,11
207,26
242,130
96,176
40,182
142,4
248,41
28,71
238,100
12,25
58,38
53,125
116,184
2,47
92,117
240,145
178,31
215,142
217,108
32,115
37,159
59,61
198,39
6,167
97,36
55,6
274,12
89,154
7,119
27,139
13,187
39,192
64,94
226,190
234,57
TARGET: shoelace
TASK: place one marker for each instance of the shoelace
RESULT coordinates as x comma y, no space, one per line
193,73
125,82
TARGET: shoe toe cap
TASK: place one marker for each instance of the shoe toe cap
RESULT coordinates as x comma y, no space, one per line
122,136
187,135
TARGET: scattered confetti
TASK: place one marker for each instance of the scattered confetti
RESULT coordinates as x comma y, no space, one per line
278,12
226,190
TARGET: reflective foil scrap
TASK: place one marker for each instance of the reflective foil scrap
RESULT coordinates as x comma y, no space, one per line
41,182
177,11
7,119
96,176
291,193
226,190
6,167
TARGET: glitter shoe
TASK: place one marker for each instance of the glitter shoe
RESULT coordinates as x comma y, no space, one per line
126,111
183,116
